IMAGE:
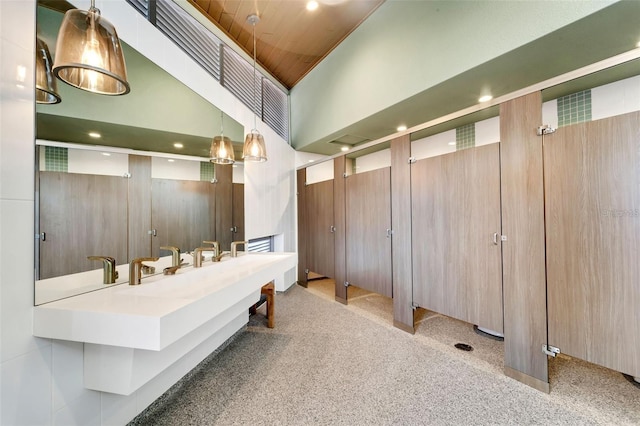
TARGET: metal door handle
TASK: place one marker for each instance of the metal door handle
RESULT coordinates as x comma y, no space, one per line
495,238
389,233
332,228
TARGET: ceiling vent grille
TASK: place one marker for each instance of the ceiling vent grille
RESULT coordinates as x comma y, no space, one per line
237,77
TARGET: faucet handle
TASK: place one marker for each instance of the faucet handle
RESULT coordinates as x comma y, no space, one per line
109,272
234,247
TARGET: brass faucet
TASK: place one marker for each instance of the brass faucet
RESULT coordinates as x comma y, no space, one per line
216,246
175,254
135,269
234,247
218,257
109,273
197,259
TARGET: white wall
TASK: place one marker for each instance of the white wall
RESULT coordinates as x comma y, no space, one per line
373,161
40,379
319,172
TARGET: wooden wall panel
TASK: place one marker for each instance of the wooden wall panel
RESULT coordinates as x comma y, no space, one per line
303,227
592,204
321,248
81,215
224,205
181,214
401,239
139,207
457,260
524,285
238,212
368,220
340,223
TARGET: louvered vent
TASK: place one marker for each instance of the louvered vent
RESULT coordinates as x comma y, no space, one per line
275,109
190,36
237,77
230,69
260,245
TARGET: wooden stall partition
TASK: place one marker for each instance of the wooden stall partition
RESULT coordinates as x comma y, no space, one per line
237,234
139,207
340,226
224,205
303,227
320,248
401,238
81,215
524,285
592,204
368,236
457,264
180,214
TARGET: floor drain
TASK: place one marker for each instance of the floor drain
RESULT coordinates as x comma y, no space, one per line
463,347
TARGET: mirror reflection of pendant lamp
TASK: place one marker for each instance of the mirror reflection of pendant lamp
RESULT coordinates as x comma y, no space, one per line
89,55
254,148
46,88
221,147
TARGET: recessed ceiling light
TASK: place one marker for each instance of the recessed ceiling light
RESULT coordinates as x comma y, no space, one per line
344,148
171,160
311,161
95,134
451,143
178,145
106,154
312,5
401,128
485,98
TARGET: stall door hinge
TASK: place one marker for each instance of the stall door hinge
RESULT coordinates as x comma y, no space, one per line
306,271
346,284
411,160
545,129
414,306
344,175
550,350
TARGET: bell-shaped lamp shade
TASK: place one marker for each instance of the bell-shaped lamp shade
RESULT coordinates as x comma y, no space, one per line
222,151
89,55
254,148
46,89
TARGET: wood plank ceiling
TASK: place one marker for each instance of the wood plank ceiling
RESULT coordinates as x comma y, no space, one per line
290,39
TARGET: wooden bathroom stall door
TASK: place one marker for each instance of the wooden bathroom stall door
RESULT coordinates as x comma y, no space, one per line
592,209
320,222
368,236
457,264
181,214
81,215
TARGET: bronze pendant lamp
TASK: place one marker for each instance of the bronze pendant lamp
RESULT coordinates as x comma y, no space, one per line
89,55
221,147
46,87
254,148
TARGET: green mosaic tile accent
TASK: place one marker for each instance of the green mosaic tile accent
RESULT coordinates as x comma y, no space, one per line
466,136
575,108
206,171
56,159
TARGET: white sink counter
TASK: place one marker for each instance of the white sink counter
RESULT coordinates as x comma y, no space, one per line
162,309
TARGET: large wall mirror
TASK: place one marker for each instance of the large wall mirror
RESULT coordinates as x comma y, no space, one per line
144,183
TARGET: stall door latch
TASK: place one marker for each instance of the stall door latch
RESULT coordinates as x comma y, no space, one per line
545,129
550,350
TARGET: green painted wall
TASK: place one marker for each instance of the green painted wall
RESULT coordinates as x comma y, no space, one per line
406,47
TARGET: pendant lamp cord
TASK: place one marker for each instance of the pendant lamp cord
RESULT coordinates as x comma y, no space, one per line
222,124
255,127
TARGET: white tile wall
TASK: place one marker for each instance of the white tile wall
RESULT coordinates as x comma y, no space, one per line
26,388
67,377
84,411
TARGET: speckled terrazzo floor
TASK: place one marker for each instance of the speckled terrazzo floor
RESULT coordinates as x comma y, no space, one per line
330,364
